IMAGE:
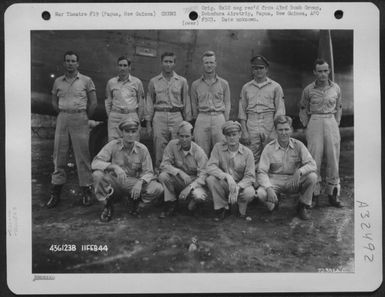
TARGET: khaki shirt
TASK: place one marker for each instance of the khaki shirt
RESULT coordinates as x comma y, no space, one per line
72,94
193,163
125,94
210,97
276,160
135,163
316,100
260,98
168,94
241,167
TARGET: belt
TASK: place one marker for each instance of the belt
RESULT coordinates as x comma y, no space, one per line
261,115
72,110
123,110
168,109
212,112
323,115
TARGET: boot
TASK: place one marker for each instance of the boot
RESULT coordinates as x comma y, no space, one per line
132,206
169,210
221,214
87,195
333,199
107,212
314,201
54,196
303,211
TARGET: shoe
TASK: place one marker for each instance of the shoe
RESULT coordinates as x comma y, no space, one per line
106,214
170,209
333,199
220,214
303,211
315,201
192,205
87,196
132,206
54,196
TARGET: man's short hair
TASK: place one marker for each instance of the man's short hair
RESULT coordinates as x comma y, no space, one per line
282,119
70,53
208,54
121,58
168,54
319,61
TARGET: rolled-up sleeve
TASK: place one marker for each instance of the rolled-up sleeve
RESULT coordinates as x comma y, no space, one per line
338,113
263,170
108,101
249,176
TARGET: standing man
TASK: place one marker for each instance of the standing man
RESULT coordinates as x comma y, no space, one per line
286,166
231,172
210,101
183,171
124,168
124,98
74,98
260,103
167,104
320,112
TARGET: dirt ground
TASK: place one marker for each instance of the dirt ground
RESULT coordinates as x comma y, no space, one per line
270,242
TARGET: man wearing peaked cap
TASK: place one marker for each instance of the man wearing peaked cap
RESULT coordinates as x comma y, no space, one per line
231,171
261,101
123,167
183,171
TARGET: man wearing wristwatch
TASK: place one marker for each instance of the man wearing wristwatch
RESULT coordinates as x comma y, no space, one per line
123,167
183,171
286,166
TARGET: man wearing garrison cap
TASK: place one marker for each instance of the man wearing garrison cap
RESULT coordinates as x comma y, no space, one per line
124,168
231,171
261,101
183,171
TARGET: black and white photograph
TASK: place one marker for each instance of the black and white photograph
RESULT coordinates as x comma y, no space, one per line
195,150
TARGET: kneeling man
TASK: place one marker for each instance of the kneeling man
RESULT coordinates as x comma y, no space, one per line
231,170
183,171
286,166
124,168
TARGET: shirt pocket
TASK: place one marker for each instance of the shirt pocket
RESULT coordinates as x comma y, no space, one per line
239,166
275,167
176,90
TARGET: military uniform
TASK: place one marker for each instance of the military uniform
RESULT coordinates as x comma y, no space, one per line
278,165
239,164
320,113
124,100
211,108
167,104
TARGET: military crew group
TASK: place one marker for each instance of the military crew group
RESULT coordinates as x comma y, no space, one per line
229,162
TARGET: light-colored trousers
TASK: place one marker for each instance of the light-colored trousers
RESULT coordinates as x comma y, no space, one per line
74,127
173,185
220,191
164,129
282,184
261,131
103,181
114,119
208,130
323,139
